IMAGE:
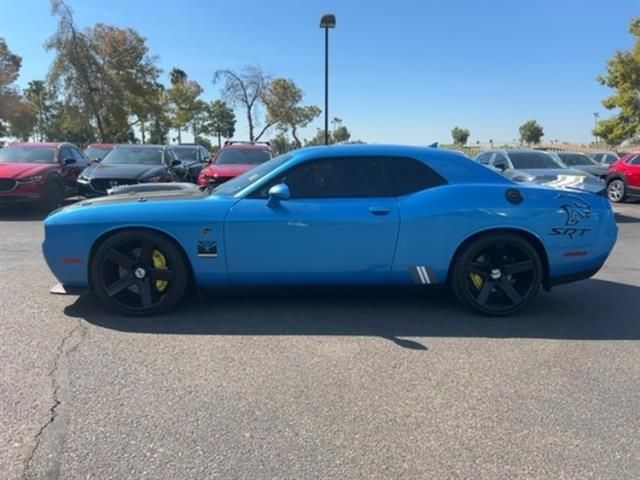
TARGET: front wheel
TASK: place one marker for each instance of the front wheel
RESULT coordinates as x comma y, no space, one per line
497,274
138,272
616,190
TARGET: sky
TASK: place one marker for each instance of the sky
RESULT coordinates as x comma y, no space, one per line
400,71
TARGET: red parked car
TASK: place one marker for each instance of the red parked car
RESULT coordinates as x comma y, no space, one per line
623,179
97,151
234,158
43,173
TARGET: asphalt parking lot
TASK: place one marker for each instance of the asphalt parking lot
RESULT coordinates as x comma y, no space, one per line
326,384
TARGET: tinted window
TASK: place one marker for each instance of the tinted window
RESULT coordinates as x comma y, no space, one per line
233,156
610,159
484,158
65,153
134,155
524,160
97,152
350,177
27,154
576,159
408,175
80,160
186,154
634,160
500,161
598,157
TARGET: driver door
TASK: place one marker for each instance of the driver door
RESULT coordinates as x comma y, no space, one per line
340,225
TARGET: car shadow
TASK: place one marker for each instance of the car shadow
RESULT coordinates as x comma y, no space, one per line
588,310
621,218
22,213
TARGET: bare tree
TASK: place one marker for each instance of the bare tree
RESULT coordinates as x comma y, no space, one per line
244,88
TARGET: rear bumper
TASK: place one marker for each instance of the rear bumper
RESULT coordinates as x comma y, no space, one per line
573,277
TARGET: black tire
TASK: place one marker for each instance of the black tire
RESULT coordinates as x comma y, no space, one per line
126,277
53,196
616,190
497,274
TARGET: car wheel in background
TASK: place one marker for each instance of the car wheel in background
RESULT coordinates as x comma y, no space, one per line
497,274
53,195
139,272
616,190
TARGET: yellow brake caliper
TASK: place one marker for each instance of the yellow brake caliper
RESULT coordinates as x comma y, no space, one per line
161,263
476,280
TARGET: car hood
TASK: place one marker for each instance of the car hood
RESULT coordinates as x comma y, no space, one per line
226,170
133,171
20,170
180,191
559,178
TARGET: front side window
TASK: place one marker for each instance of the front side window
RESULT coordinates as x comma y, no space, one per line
634,160
609,159
27,155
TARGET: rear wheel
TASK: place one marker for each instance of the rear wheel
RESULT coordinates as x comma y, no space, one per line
497,274
138,272
616,190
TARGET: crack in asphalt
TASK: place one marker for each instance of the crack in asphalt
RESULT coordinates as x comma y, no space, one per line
55,392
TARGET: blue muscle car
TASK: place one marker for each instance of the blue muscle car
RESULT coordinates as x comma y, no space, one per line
353,214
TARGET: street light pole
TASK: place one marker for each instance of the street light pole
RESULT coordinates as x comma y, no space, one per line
327,21
596,115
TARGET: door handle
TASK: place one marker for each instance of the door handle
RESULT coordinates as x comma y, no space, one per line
379,211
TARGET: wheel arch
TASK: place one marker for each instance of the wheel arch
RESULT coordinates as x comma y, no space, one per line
617,176
110,233
533,239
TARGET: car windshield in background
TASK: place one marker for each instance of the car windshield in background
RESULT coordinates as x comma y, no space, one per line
241,182
95,152
28,155
526,160
242,157
186,154
143,156
576,159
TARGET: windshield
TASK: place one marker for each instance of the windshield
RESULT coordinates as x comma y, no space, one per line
241,182
28,155
186,154
576,159
141,156
526,160
97,152
242,157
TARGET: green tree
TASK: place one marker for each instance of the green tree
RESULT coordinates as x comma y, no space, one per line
22,120
9,71
341,134
623,76
244,88
187,108
531,132
105,71
281,143
221,120
41,99
460,135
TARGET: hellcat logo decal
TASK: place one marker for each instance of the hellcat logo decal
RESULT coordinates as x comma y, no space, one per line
576,209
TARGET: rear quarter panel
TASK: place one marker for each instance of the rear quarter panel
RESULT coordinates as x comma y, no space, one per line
434,223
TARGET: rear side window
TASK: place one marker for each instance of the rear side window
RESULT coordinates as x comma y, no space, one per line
634,160
408,175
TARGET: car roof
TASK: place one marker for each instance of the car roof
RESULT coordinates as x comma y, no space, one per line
246,146
38,144
186,145
140,145
98,145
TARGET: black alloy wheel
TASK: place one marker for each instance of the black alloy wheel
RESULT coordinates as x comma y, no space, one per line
138,272
498,274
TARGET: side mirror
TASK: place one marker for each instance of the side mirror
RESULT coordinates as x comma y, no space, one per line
175,163
68,161
95,159
278,193
501,166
